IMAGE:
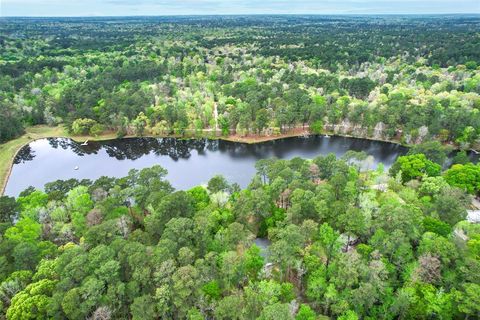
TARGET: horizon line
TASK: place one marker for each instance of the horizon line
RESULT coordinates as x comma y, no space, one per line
252,14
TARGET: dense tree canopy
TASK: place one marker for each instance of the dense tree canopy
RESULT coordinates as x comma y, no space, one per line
342,242
407,78
340,246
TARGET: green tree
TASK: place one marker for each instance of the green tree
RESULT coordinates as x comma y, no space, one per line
460,157
433,150
217,183
468,301
465,177
143,308
33,302
212,289
83,126
8,209
140,123
185,282
253,261
414,167
305,313
450,206
434,225
317,127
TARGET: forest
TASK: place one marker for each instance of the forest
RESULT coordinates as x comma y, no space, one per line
344,242
308,239
364,76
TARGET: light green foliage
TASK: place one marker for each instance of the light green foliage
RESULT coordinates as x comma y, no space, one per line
317,127
469,302
212,290
27,248
200,196
32,302
143,308
305,313
184,284
414,167
30,204
140,123
229,307
264,295
96,129
280,311
468,136
437,246
466,177
25,230
78,200
424,300
78,203
432,186
349,315
253,261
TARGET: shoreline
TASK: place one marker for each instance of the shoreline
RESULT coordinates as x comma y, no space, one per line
44,132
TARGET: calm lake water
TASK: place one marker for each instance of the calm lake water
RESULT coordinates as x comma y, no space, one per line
189,162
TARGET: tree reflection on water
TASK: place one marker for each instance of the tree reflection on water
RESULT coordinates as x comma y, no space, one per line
24,154
134,148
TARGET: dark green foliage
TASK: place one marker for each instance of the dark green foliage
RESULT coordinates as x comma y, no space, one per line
460,157
437,226
450,206
217,184
8,209
358,87
57,190
10,122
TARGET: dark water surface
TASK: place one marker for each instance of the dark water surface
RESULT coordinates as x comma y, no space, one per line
189,162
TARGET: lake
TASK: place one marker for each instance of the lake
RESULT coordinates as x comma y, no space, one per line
189,162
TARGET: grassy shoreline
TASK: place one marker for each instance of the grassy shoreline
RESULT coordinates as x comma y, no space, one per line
9,150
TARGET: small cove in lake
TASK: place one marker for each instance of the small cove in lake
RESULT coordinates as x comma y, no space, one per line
189,162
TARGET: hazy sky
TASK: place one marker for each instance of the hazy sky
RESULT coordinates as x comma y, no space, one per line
192,7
